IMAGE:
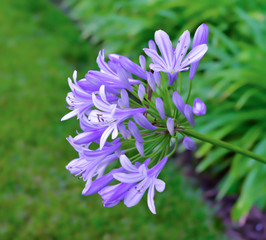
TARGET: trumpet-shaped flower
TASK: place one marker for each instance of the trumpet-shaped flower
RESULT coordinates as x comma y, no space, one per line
109,115
92,163
112,75
173,61
134,183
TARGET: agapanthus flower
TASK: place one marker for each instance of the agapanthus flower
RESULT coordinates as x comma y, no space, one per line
134,183
172,60
134,113
112,75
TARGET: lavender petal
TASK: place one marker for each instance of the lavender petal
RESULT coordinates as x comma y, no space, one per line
188,113
127,165
151,81
141,92
189,144
142,121
165,45
178,101
150,199
132,127
194,55
132,67
157,78
160,107
140,148
170,126
142,62
199,107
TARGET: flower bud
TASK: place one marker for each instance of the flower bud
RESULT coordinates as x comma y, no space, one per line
199,107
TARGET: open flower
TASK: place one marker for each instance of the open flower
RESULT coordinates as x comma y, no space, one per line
134,183
112,75
109,115
173,61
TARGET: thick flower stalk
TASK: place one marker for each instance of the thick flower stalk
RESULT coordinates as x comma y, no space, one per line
131,117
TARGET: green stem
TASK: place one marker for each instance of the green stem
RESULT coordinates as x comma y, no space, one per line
189,90
226,145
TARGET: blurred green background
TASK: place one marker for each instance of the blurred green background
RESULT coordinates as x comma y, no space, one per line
41,43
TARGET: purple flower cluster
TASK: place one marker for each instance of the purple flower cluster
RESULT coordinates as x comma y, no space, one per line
133,113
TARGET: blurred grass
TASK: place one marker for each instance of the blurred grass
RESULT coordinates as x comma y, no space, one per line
39,199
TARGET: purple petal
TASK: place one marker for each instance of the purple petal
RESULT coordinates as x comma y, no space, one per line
132,67
102,64
152,45
105,135
200,37
155,57
154,171
157,78
151,81
136,193
170,126
188,113
114,57
142,121
159,185
127,165
178,101
112,195
132,127
182,46
122,129
189,144
193,69
70,114
165,45
133,197
101,182
195,55
101,105
157,67
87,137
172,77
140,148
150,198
160,107
128,177
123,76
142,62
103,94
199,107
115,132
141,92
124,97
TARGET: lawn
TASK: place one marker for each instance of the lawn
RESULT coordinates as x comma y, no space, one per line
40,47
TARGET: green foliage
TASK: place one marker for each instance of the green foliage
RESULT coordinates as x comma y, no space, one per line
39,199
233,84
